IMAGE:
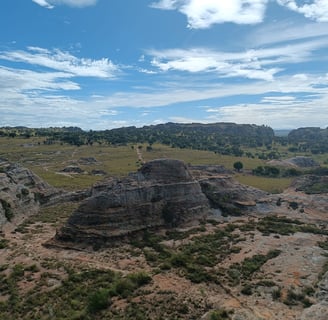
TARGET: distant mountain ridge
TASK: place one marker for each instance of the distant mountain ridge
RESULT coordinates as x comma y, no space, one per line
220,137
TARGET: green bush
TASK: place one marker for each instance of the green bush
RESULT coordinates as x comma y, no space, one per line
7,208
219,315
3,243
140,278
99,300
247,290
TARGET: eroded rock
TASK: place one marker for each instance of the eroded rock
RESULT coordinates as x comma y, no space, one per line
163,193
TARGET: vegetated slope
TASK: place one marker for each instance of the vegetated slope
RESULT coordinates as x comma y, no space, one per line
311,139
219,137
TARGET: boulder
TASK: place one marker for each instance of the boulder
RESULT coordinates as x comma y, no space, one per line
72,169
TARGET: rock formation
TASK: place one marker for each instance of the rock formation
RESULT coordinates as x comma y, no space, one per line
163,193
299,162
21,191
319,311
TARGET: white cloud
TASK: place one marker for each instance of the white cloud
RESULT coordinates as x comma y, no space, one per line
292,114
166,4
261,63
315,9
43,3
287,31
16,80
289,101
202,14
63,61
185,92
50,4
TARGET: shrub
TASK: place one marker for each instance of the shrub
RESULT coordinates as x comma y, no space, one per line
99,300
140,278
293,205
276,294
247,290
219,315
7,208
3,243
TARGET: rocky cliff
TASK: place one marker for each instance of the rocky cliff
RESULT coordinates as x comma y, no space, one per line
22,192
163,193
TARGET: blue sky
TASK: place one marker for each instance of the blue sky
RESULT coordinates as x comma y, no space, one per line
101,64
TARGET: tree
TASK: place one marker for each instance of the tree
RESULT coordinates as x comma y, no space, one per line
238,165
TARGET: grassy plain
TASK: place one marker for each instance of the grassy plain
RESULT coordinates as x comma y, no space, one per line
48,161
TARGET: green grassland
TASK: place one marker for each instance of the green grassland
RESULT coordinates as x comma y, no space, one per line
48,161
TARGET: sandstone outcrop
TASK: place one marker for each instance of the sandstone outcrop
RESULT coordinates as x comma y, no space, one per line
299,162
319,311
21,191
163,193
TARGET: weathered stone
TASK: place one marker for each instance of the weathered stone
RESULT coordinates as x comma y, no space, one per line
21,192
72,169
163,193
299,162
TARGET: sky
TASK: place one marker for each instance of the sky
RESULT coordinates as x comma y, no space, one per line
103,64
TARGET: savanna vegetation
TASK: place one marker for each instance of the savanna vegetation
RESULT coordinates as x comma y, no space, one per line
206,257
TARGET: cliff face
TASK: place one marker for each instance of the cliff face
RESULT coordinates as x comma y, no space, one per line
163,193
21,191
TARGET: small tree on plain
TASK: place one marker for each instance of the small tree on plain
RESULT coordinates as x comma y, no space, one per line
238,165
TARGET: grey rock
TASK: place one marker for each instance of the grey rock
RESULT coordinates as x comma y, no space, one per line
163,193
21,192
318,311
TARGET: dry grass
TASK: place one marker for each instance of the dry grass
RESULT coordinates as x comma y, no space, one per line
47,161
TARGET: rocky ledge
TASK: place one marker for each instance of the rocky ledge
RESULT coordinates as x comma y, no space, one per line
163,193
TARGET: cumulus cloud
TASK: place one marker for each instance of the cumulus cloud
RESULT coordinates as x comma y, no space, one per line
245,65
63,61
50,4
315,9
202,14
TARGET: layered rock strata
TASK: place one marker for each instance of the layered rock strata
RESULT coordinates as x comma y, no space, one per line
21,191
163,193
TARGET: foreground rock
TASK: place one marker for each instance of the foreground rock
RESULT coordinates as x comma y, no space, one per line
163,193
319,311
22,192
